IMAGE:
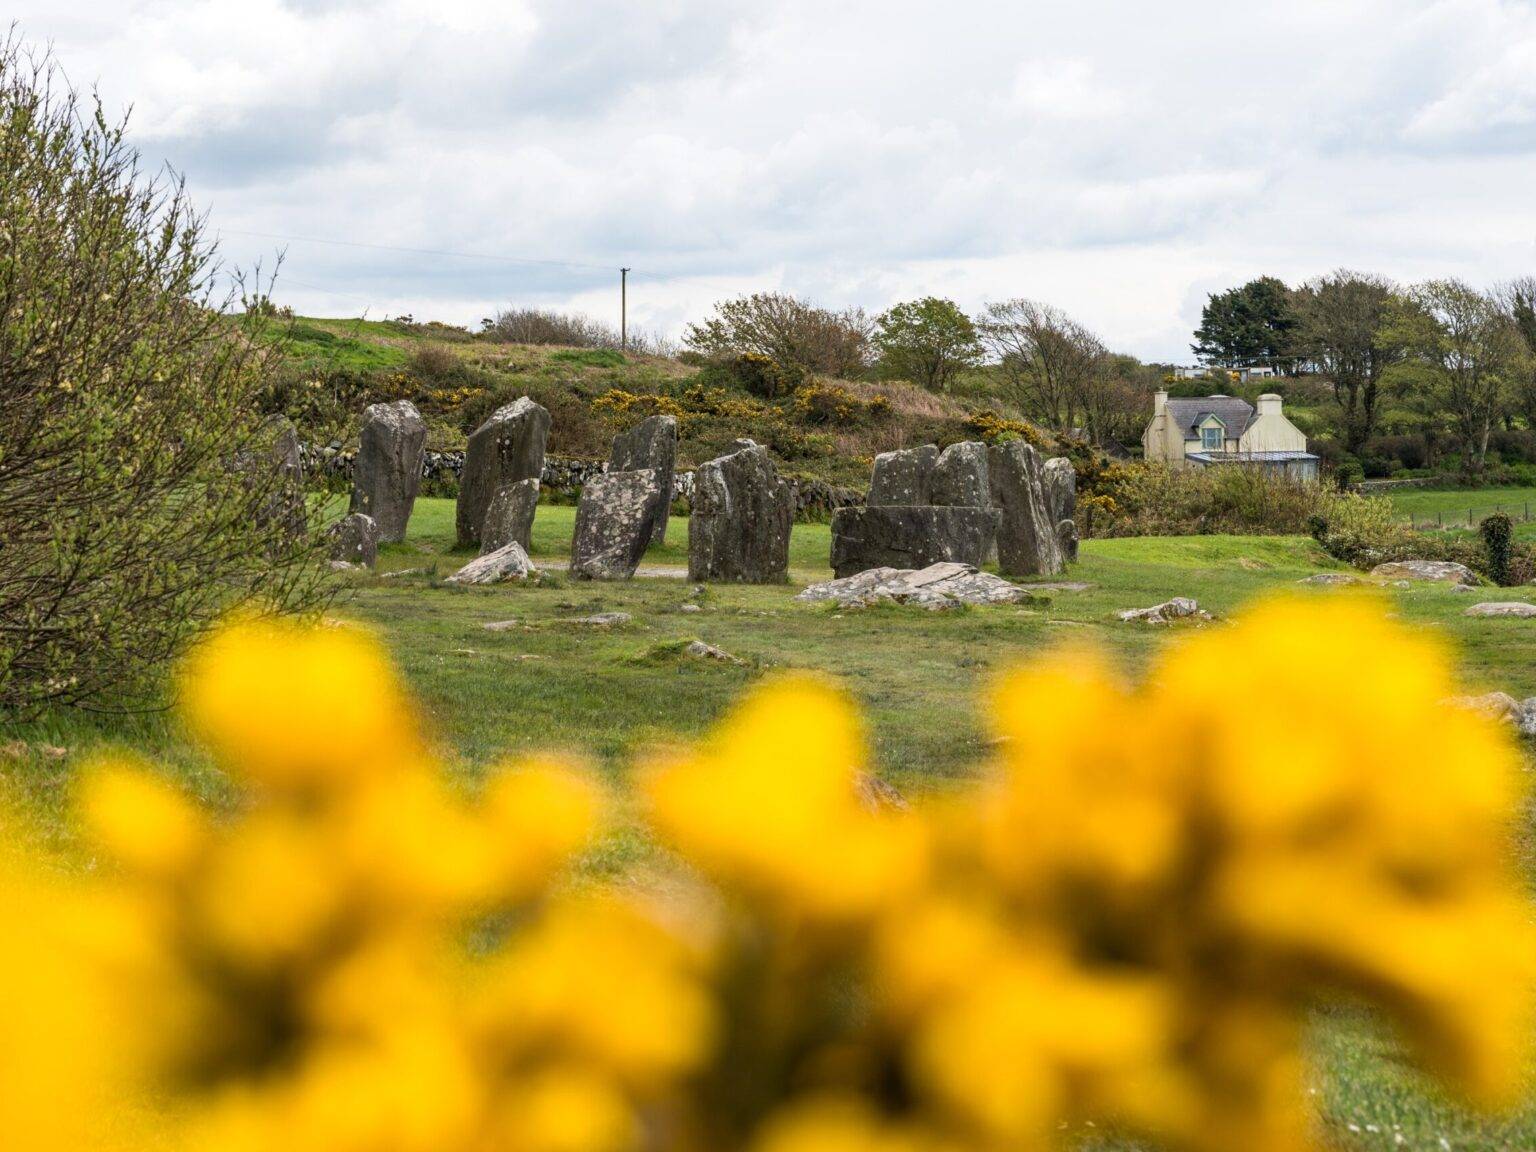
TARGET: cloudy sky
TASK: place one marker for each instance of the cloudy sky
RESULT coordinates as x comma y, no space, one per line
1120,160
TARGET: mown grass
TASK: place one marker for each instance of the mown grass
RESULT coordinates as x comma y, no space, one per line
613,694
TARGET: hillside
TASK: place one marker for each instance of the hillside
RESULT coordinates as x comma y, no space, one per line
828,430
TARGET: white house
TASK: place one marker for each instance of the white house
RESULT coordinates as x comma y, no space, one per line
1209,430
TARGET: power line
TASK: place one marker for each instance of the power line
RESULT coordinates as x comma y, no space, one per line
606,268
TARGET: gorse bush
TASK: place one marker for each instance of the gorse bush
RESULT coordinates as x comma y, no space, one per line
138,496
1117,925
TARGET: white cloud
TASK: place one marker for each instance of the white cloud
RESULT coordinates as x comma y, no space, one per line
1118,160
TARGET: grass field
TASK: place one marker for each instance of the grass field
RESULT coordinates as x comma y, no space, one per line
1463,507
609,694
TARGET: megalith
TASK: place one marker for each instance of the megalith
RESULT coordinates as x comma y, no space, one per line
1027,543
1060,488
354,539
652,444
909,536
903,477
613,524
507,448
739,528
959,476
387,472
509,516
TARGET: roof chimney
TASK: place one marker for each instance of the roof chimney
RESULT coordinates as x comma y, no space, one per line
1159,401
1269,404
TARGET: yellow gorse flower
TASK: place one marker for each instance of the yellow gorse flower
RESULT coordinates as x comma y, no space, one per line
1124,921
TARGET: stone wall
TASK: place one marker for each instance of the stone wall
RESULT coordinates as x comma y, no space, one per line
331,466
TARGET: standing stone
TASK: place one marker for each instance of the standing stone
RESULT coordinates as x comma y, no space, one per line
1027,544
286,505
507,448
1060,488
960,476
354,539
652,443
909,537
903,477
1066,536
613,524
509,516
739,530
387,472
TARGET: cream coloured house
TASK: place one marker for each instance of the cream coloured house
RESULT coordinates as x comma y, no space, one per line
1208,430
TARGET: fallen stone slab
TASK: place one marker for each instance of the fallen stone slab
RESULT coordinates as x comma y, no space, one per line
509,563
910,537
1330,579
938,586
1442,571
1179,608
1516,608
502,625
1493,705
602,619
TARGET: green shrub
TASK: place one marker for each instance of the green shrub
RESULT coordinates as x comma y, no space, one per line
1155,500
1498,533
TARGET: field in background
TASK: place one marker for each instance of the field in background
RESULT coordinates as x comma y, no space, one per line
1462,507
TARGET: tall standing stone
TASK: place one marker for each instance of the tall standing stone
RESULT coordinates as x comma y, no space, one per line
281,455
652,444
1027,544
959,476
1060,488
387,472
509,516
739,529
613,524
903,477
507,448
909,536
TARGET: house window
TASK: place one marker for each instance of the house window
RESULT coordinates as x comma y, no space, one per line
1210,438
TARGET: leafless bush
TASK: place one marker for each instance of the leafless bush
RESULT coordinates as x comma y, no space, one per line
570,330
800,337
139,497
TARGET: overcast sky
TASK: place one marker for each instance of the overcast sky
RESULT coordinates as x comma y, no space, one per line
1120,160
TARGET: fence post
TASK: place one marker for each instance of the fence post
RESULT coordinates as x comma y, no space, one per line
1439,519
1469,517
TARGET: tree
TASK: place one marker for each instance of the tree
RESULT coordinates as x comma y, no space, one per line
1517,299
927,341
1118,399
798,336
1348,333
1048,359
138,494
1253,324
1468,346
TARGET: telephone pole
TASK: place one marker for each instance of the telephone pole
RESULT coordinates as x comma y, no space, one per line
624,309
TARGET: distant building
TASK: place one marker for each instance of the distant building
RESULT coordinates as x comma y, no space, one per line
1211,430
1241,375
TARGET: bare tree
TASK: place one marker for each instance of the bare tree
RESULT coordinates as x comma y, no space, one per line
1049,360
1468,346
796,335
1517,299
1347,333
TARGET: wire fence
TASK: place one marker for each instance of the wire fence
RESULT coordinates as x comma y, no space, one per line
1469,517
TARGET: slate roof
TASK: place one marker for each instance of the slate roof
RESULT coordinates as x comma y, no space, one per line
1234,413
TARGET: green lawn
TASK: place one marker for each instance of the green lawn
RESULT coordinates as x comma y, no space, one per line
610,694
1456,506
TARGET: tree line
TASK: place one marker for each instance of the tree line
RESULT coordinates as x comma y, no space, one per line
1461,360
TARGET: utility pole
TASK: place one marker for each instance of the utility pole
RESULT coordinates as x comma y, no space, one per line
624,309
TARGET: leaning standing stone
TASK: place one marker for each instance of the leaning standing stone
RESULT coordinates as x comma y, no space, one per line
742,510
652,443
387,472
613,524
509,517
960,476
507,448
354,539
1027,544
903,477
